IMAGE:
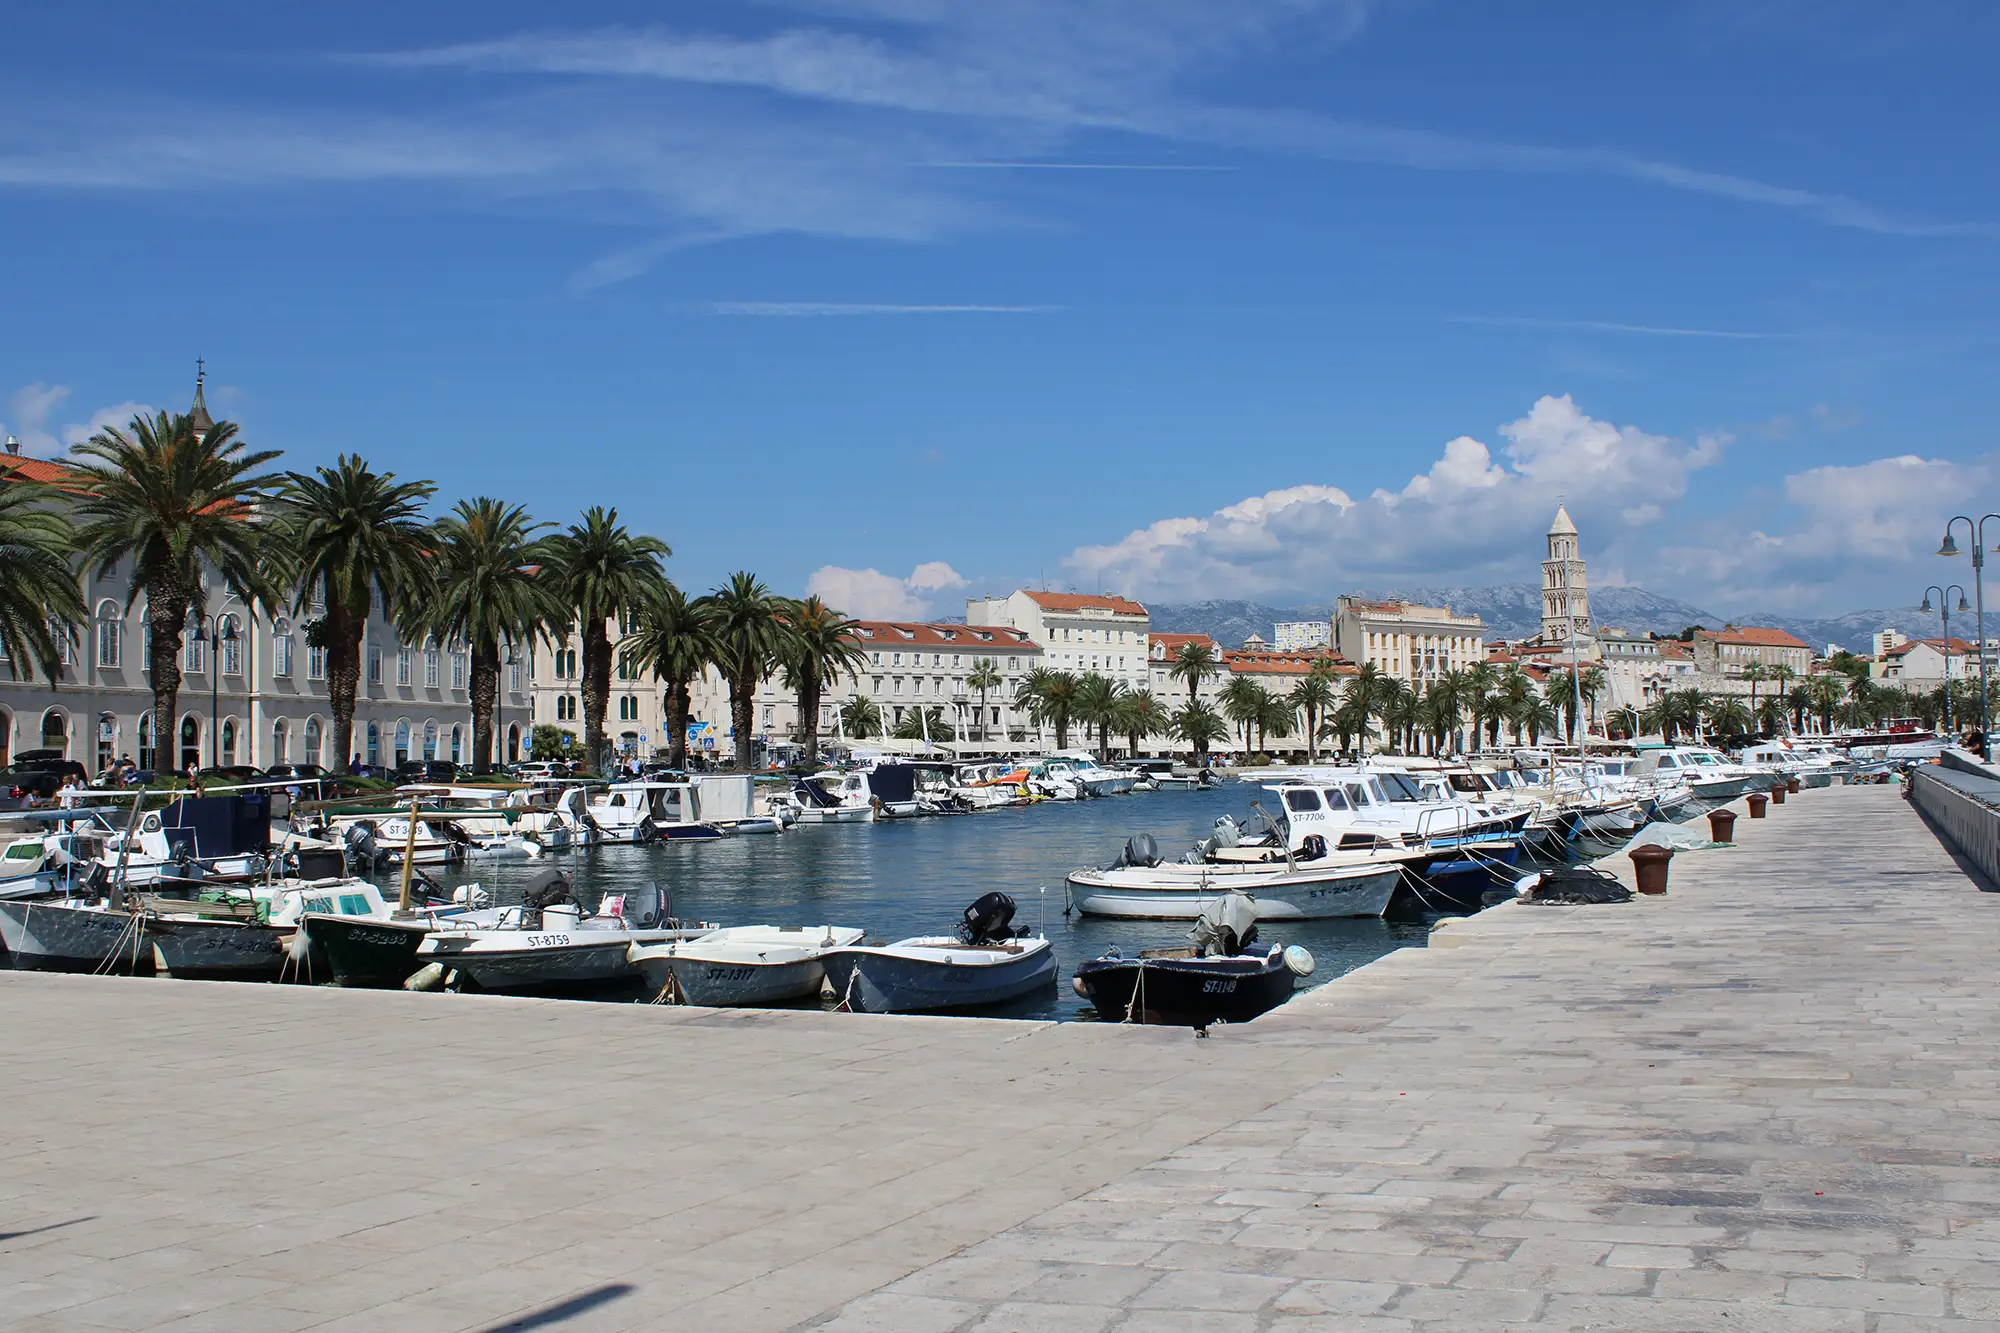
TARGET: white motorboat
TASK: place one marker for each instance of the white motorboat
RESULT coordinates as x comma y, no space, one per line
990,785
834,797
1100,779
986,963
55,860
1171,891
742,965
642,811
739,803
549,941
1711,778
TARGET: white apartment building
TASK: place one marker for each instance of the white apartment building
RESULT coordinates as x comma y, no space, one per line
1161,653
259,698
1415,644
1078,632
1302,636
1884,640
1638,668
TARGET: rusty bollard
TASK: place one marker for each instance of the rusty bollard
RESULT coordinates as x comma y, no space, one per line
1758,800
1649,867
1777,793
1721,823
1792,786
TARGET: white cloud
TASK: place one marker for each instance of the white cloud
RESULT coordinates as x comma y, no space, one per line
1469,516
31,413
869,594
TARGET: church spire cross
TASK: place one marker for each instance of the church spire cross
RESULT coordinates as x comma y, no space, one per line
198,413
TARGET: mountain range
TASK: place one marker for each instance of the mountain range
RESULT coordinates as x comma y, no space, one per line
1514,611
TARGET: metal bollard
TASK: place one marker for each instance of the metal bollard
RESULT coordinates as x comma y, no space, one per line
1721,823
1758,800
1649,867
1777,793
1792,786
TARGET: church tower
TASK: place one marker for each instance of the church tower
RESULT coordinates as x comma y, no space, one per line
1565,598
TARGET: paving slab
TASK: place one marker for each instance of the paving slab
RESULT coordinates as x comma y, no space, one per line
1766,1101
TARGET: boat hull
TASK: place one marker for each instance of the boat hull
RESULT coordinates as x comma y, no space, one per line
1185,991
881,982
725,985
217,950
841,814
366,953
535,967
1349,892
1460,881
65,938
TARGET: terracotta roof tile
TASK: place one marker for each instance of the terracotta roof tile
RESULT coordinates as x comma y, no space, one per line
897,633
1083,601
1754,636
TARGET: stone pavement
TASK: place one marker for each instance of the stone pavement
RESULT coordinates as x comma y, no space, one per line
1765,1102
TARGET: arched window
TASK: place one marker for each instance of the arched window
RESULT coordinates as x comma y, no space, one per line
55,731
281,737
457,754
146,746
313,734
430,740
402,742
374,743
107,741
281,650
233,633
228,741
108,645
513,744
190,742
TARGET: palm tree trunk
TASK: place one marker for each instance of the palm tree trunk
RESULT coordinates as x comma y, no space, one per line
677,724
342,634
483,691
166,610
742,701
596,690
809,715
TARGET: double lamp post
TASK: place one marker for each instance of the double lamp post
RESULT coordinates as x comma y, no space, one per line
1976,531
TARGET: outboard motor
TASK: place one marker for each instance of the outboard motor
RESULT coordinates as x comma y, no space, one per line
645,908
362,849
989,920
550,890
1312,847
1227,926
1227,832
1141,850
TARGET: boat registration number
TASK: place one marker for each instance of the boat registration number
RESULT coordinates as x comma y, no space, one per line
728,974
1218,986
546,941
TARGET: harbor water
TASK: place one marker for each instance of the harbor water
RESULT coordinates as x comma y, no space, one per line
915,876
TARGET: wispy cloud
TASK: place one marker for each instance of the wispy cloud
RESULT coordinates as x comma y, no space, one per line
1609,326
1081,166
825,309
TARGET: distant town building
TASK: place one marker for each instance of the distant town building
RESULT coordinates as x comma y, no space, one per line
1299,636
1256,643
1162,651
1565,593
1925,663
1416,644
1886,640
1721,658
1639,668
1078,632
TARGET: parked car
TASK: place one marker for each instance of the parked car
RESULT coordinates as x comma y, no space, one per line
231,774
41,778
295,773
427,770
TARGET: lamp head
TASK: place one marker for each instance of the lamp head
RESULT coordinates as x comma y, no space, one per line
1950,545
1927,603
1963,605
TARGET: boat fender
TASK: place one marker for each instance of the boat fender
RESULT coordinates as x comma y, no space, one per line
1076,984
426,978
1299,959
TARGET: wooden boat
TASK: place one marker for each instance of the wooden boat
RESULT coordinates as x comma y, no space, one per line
743,965
1219,977
986,963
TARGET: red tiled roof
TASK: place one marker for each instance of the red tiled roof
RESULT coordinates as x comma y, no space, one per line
896,633
1754,636
1957,645
1084,601
18,468
1243,662
1173,641
1675,648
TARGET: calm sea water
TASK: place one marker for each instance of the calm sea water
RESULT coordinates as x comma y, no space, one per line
915,876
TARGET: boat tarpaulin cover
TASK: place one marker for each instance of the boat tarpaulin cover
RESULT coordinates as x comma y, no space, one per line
214,826
1226,925
893,783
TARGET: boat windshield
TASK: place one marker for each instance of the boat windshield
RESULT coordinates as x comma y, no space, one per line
1397,788
1334,799
1302,798
1359,795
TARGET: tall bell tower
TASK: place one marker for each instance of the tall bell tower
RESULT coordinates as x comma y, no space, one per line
1565,597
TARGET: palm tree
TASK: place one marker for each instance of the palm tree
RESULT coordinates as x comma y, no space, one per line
1277,720
1097,706
348,535
1771,714
1754,673
484,589
1798,703
1627,720
1728,715
1398,711
1481,682
1243,703
922,723
1827,692
603,571
174,499
1200,726
1049,698
1447,699
1314,697
39,599
673,636
983,677
1537,715
749,627
1365,692
1194,662
1141,714
1515,689
860,718
819,649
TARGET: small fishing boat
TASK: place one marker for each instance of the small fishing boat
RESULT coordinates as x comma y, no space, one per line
1315,884
1219,977
361,951
549,942
834,798
742,965
986,963
649,812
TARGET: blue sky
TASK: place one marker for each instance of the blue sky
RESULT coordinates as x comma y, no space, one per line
904,299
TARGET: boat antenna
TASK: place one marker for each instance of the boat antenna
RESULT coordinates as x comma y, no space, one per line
1042,919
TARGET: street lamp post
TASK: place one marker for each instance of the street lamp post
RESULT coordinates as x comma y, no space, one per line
218,630
1976,531
1944,612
